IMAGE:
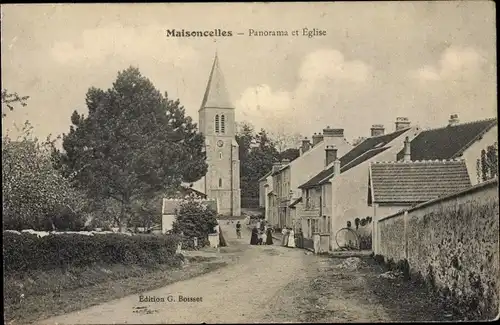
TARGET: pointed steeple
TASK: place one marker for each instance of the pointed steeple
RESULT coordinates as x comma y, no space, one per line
216,94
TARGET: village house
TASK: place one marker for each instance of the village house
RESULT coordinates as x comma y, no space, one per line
337,193
397,186
332,199
456,140
290,175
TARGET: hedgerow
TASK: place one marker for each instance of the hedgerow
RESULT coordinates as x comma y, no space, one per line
26,252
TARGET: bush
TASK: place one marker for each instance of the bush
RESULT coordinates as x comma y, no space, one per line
195,219
25,252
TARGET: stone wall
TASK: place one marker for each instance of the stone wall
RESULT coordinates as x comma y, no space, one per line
453,243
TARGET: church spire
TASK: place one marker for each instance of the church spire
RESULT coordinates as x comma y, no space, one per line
216,94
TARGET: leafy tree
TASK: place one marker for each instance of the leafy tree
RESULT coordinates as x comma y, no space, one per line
487,164
9,99
34,194
134,144
195,219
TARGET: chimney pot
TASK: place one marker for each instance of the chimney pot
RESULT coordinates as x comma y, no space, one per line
453,120
377,130
337,133
317,138
402,123
330,154
407,150
306,145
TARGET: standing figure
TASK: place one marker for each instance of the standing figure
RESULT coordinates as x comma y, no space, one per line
264,236
284,239
291,238
269,237
254,239
238,230
300,239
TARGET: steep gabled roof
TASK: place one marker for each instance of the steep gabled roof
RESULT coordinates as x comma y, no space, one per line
447,142
416,181
216,94
367,149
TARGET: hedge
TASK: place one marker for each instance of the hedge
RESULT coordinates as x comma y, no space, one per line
25,252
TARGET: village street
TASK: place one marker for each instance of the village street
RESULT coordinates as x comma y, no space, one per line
262,284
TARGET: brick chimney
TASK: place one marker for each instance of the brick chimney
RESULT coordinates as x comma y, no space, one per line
377,129
453,120
317,138
333,136
306,145
402,123
336,167
407,150
330,154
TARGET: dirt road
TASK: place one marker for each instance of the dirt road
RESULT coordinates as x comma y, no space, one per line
237,293
266,284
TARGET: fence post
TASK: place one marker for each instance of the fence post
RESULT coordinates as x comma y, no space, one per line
405,222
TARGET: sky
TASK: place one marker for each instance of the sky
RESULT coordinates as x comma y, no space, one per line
377,61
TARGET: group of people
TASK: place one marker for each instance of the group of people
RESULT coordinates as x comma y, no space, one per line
262,234
288,239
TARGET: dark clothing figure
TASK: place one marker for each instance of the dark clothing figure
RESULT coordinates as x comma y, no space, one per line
254,240
269,239
300,239
238,230
222,241
262,226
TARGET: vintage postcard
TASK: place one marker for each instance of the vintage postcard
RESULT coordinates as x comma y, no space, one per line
306,162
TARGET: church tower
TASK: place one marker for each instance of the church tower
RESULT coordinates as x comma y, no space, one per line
217,123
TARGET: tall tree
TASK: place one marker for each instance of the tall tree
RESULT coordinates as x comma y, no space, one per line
134,143
34,194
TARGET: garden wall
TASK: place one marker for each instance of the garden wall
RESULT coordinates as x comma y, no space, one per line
453,242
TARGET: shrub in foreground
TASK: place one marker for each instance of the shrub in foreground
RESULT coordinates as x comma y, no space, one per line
25,252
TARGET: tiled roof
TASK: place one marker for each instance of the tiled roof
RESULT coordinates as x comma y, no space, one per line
447,142
367,149
416,181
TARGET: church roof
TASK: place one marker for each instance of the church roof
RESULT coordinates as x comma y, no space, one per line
216,94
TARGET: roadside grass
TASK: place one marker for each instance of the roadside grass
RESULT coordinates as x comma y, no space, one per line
332,294
409,299
57,292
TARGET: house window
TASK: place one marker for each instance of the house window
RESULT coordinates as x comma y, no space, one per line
324,225
220,182
315,226
222,124
217,123
309,228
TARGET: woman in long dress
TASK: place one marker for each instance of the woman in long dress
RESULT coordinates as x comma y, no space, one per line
254,239
284,239
291,239
264,236
269,239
